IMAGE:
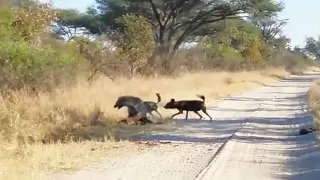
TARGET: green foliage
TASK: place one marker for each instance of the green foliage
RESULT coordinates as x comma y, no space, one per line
27,62
270,27
72,22
97,56
141,30
190,20
313,47
255,49
21,61
265,8
230,59
249,44
239,43
6,18
33,20
265,17
243,26
183,21
136,41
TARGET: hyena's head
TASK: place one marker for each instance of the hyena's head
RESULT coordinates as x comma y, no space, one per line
128,101
119,103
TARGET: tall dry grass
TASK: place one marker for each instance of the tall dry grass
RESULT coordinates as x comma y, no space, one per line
38,161
314,102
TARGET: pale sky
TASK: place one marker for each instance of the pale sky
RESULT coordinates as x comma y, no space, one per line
303,16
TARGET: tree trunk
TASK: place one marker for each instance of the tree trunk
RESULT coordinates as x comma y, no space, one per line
132,71
162,57
166,62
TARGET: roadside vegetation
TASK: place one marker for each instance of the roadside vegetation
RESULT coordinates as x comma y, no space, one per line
61,71
314,103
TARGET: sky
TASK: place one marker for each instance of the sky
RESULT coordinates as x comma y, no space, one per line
302,17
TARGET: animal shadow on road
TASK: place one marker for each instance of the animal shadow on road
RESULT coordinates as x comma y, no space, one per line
269,126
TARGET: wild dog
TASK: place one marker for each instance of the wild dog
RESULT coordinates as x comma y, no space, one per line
188,105
152,106
137,110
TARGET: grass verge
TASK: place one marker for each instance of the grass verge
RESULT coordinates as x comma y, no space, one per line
314,103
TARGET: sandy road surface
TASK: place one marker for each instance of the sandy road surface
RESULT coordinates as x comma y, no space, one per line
252,136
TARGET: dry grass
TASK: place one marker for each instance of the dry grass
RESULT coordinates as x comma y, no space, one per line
314,102
72,111
31,162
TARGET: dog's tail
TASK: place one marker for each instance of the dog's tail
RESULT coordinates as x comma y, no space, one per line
202,97
159,97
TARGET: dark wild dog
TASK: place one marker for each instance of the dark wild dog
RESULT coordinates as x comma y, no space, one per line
305,131
137,110
152,106
188,105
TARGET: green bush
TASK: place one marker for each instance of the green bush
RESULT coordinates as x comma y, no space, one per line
23,63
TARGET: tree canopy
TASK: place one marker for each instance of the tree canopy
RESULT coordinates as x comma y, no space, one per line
176,21
151,34
313,47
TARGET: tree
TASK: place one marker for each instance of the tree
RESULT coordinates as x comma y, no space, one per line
174,21
271,27
267,20
299,50
313,47
95,52
68,24
240,39
237,32
72,23
136,42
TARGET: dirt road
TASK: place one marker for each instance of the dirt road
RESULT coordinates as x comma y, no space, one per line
253,135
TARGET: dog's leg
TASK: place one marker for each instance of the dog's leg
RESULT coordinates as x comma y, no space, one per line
131,112
144,121
187,115
198,114
158,113
151,114
205,111
180,112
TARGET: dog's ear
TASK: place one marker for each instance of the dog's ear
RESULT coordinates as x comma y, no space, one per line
172,100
